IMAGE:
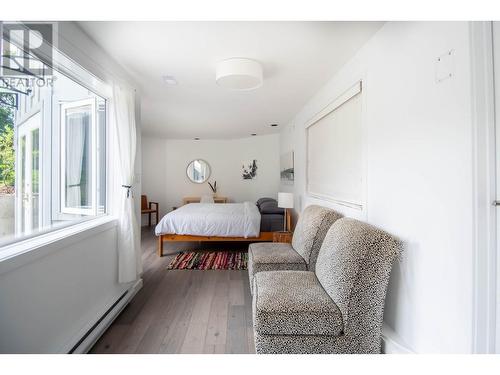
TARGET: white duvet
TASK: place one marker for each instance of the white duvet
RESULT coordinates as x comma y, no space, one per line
212,219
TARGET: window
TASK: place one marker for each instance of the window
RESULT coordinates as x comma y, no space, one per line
82,143
52,154
77,169
335,152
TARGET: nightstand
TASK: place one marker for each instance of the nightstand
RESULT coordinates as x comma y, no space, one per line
285,237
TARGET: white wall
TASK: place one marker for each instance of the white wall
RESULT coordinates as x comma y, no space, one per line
52,298
154,173
418,178
164,168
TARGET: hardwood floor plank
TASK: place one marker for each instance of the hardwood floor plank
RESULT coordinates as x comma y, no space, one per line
142,321
248,313
109,342
197,329
160,324
250,341
215,338
172,343
237,342
236,290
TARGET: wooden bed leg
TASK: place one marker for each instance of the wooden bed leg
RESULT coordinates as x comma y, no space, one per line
160,246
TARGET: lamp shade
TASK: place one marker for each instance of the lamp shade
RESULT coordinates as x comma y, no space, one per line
285,200
239,74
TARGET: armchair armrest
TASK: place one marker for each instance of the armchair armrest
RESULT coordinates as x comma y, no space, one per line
155,203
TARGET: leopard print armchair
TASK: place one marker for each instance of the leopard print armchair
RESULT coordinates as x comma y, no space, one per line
336,309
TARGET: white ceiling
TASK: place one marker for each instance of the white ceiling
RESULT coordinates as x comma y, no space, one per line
297,57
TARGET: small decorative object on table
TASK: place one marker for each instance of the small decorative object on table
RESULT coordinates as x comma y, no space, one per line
285,237
213,188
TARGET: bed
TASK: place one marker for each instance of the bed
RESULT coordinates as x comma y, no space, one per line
219,222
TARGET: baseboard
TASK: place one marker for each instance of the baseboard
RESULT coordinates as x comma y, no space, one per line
392,343
91,337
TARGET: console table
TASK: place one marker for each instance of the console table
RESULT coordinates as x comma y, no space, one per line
187,200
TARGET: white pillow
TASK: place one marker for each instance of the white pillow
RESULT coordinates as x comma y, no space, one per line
207,199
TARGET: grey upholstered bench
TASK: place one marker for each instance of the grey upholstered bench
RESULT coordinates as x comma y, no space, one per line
336,309
307,238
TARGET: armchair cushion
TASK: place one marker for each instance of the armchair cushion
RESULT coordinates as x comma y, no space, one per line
271,253
293,303
273,256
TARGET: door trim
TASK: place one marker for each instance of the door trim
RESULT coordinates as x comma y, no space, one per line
484,188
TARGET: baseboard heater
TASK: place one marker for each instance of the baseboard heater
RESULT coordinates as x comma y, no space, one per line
87,334
90,337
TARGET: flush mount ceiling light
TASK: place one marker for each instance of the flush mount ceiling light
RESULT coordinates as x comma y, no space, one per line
239,74
169,80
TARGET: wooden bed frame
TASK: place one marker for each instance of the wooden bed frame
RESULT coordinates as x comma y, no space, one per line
263,237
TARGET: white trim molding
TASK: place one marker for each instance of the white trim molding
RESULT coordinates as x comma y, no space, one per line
340,100
483,169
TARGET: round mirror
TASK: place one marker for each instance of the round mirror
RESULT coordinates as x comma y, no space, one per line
198,171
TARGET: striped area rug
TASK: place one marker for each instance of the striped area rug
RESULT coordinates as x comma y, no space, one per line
209,260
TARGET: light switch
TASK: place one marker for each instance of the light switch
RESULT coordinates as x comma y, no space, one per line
445,66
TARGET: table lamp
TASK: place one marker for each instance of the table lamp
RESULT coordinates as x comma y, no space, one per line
285,200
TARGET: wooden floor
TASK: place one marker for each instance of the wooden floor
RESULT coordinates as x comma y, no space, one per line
183,311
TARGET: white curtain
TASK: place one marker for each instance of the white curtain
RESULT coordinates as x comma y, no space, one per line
76,126
129,254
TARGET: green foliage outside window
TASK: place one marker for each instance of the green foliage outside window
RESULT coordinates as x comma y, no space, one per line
7,155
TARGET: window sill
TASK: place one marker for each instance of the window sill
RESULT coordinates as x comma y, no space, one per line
23,252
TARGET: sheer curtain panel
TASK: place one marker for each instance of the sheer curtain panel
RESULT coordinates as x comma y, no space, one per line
129,255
